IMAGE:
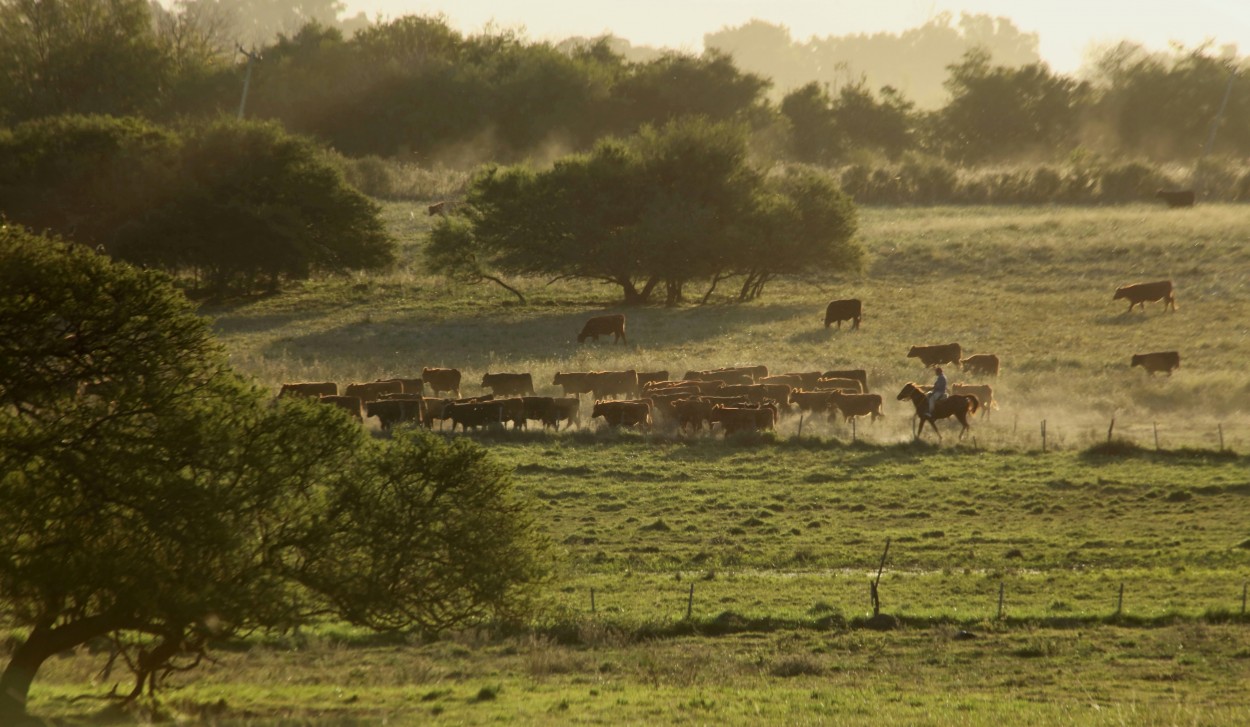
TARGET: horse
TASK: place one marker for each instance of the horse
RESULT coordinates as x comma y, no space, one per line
956,405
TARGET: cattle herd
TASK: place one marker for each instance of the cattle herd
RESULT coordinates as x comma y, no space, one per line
729,400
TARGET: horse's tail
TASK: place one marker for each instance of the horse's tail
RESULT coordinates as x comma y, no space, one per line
975,404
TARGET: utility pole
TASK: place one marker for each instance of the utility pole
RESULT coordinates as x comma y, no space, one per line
252,57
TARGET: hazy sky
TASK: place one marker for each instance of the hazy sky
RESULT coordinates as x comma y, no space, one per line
1065,28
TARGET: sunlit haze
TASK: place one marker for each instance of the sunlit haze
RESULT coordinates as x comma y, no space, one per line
1066,28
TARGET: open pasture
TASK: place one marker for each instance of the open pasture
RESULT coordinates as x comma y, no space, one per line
730,578
1033,285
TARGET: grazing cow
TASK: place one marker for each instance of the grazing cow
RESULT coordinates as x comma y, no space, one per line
983,392
374,389
956,405
1158,362
1141,293
353,405
848,386
313,389
574,383
613,383
844,310
856,405
985,364
624,413
933,355
859,375
738,419
1178,198
613,325
442,380
396,411
509,384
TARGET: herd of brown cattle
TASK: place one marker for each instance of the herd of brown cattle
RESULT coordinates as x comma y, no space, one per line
738,398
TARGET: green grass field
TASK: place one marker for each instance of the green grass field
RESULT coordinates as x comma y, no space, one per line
1121,570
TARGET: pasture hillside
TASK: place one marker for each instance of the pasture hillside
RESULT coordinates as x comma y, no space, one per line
1031,284
703,581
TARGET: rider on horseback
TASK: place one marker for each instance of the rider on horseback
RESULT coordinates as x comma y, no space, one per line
939,391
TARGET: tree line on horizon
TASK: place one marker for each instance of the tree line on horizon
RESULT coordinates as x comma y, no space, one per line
416,90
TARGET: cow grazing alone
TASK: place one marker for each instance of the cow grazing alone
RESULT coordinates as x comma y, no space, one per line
1142,293
509,384
313,389
1177,198
934,355
613,325
441,380
1159,362
985,364
844,310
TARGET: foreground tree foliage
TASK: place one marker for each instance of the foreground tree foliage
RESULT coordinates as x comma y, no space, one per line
234,206
153,497
666,208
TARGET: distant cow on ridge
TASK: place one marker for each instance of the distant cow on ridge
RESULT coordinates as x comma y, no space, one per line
1142,293
613,325
844,310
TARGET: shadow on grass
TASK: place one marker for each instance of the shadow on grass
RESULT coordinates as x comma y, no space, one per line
1125,449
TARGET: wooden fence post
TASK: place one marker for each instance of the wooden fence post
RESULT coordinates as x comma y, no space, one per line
690,603
1000,600
1243,599
1221,429
592,600
800,425
853,430
1043,435
1119,604
1156,436
1109,430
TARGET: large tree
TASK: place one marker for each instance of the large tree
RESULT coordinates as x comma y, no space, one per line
153,497
670,206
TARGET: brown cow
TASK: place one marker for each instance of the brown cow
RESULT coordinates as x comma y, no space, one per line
695,412
934,355
1158,362
410,386
624,413
396,411
813,401
313,389
614,383
1178,198
613,325
374,389
983,392
438,208
859,375
737,419
509,384
475,414
353,405
442,380
856,405
1142,293
574,383
647,377
985,364
848,386
844,310
567,409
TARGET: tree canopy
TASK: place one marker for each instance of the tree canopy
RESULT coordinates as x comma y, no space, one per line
154,497
673,205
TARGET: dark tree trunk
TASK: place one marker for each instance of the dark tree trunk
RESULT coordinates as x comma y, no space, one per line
673,294
505,286
634,296
43,643
715,281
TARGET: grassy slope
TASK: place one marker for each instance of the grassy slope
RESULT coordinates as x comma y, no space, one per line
779,535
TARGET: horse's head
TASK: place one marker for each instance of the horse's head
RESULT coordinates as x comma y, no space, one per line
909,392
